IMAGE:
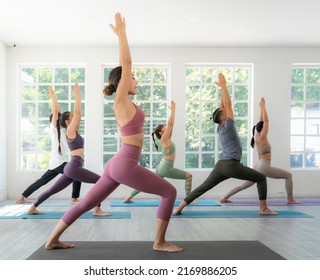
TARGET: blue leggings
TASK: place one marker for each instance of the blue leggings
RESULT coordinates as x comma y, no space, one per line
123,168
72,171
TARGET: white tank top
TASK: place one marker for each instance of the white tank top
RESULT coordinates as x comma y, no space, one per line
55,158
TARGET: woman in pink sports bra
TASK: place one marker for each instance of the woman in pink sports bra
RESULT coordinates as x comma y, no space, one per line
123,168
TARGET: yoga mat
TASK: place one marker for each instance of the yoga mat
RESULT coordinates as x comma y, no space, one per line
59,214
241,214
142,250
273,202
45,203
156,203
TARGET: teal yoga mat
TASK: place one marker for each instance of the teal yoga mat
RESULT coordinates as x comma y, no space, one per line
53,203
241,214
59,214
156,203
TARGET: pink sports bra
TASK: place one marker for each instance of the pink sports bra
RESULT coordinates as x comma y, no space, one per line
135,126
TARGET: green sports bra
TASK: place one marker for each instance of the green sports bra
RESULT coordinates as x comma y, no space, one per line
169,150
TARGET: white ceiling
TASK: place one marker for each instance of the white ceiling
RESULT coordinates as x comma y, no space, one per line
221,23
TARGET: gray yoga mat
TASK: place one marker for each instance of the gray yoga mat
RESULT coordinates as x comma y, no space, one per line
142,250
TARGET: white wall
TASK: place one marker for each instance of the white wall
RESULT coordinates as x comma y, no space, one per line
272,69
3,118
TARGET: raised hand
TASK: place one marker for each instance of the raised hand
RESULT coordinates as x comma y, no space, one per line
120,24
76,89
172,106
221,80
51,91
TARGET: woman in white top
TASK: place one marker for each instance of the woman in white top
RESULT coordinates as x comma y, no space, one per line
58,157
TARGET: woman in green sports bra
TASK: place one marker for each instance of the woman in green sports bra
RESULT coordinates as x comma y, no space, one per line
166,168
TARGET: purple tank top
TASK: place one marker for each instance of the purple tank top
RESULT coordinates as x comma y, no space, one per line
134,126
76,143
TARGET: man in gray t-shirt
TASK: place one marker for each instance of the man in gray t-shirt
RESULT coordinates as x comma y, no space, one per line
229,165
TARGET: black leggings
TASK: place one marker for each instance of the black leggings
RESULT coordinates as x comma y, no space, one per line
49,175
226,169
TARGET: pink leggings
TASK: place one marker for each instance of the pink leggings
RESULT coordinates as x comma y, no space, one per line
123,168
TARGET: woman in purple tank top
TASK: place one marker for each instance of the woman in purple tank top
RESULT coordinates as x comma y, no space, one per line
73,169
124,167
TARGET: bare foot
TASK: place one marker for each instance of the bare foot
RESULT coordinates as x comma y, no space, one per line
33,211
74,200
97,211
58,245
225,200
293,201
167,247
179,209
177,212
267,211
22,199
127,200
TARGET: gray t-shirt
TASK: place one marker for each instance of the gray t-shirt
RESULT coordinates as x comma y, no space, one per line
231,144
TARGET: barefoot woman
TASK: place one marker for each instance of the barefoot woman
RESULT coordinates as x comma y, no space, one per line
123,168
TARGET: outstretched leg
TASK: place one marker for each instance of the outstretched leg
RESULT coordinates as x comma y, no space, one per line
53,240
212,180
245,185
132,195
160,243
278,173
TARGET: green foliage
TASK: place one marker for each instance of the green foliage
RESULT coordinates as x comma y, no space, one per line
44,75
61,75
110,144
313,75
78,75
28,93
202,98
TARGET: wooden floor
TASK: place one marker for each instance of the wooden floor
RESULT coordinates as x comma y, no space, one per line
292,238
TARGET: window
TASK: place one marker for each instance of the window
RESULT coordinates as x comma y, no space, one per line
153,81
305,117
202,147
35,108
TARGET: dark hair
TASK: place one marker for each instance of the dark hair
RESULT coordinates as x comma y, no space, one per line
58,129
113,81
156,132
216,116
258,127
64,116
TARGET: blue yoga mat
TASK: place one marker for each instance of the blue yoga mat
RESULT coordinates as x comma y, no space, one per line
59,214
240,214
156,203
272,202
66,203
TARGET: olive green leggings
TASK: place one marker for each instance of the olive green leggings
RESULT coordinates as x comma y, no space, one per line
166,170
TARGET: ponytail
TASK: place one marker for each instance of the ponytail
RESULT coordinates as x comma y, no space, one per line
59,136
258,127
154,141
156,132
252,138
59,133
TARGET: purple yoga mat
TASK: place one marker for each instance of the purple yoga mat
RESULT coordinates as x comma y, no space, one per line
273,202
